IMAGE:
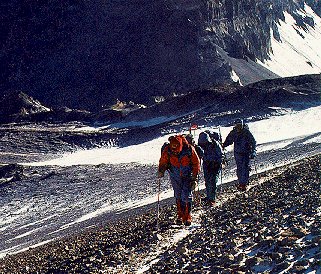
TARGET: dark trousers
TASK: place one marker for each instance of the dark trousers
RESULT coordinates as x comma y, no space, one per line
242,167
211,171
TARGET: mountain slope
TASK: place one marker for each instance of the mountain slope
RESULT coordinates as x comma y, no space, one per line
86,54
203,106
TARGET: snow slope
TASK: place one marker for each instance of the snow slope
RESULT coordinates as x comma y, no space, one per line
79,191
274,132
299,51
296,52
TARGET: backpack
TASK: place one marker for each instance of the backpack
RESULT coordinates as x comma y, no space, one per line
214,135
212,148
185,144
204,139
163,146
198,149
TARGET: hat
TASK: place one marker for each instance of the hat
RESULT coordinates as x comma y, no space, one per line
214,135
204,138
239,122
176,143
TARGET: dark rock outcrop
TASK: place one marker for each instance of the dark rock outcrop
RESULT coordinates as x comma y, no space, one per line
17,106
296,92
11,172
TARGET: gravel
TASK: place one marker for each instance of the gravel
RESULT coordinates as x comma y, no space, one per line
273,227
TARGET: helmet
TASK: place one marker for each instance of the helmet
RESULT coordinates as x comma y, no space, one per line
214,135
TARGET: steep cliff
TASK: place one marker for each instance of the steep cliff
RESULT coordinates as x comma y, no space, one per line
88,53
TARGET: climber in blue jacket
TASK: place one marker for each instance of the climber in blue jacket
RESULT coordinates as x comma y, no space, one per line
244,150
212,164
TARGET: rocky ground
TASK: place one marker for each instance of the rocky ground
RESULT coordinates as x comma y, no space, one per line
274,227
271,228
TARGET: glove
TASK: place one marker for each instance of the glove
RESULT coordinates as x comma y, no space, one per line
160,174
252,155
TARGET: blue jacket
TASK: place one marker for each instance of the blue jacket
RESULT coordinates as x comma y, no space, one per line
212,149
244,141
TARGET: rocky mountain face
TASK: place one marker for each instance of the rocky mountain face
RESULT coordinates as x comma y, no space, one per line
86,54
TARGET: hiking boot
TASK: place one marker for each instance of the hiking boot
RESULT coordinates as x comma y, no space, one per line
188,223
187,218
210,203
179,221
241,187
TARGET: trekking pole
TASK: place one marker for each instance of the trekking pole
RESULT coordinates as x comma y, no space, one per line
158,204
220,188
255,167
198,196
221,142
198,184
219,130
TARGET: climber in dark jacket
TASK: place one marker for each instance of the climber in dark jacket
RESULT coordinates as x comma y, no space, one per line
244,150
212,164
190,139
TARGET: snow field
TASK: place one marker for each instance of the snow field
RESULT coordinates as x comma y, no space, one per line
298,52
271,133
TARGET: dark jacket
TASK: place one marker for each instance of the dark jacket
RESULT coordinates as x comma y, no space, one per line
212,149
244,141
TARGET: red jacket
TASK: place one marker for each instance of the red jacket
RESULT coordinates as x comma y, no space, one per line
184,164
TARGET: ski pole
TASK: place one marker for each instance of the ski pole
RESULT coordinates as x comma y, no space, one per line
221,175
221,142
255,167
197,193
158,204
